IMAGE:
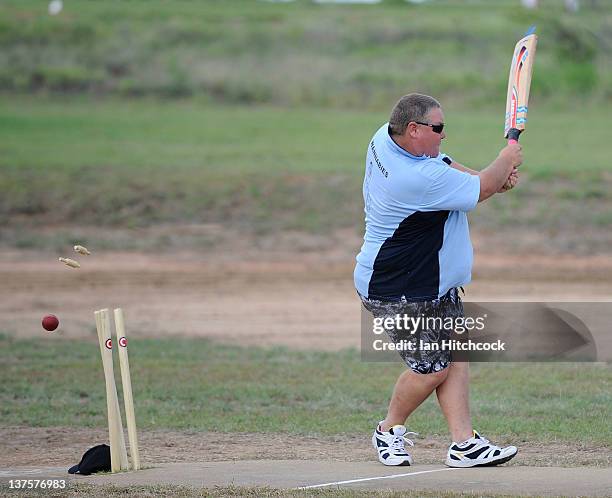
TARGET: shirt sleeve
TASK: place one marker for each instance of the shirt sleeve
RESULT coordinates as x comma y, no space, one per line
449,189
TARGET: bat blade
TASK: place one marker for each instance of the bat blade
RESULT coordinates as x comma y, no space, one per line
519,84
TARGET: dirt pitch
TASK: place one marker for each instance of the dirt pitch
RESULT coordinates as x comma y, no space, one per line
284,298
297,299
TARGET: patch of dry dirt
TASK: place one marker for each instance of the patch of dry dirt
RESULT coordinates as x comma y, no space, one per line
263,297
31,446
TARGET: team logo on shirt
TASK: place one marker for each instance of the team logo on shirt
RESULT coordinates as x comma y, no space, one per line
380,166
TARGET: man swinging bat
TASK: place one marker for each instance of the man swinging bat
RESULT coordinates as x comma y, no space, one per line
417,254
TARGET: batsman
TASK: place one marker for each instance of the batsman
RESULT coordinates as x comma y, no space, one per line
417,256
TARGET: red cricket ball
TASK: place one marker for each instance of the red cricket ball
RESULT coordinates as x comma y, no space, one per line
50,322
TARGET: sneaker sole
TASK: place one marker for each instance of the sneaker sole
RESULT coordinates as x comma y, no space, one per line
493,463
403,464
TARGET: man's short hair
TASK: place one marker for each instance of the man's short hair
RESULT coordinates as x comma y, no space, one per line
411,107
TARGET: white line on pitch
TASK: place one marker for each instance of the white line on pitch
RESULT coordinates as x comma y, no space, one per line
374,478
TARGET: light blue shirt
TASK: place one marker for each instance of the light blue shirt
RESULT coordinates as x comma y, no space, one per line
417,242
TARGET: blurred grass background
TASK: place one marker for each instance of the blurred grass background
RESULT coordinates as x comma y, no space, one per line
301,53
257,114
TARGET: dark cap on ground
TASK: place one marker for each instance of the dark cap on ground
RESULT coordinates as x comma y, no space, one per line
96,459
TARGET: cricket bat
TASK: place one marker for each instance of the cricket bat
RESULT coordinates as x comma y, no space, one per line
519,83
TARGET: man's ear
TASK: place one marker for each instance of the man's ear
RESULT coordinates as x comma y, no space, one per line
411,129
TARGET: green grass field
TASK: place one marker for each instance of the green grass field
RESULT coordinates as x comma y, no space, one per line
119,163
191,384
247,51
258,114
68,134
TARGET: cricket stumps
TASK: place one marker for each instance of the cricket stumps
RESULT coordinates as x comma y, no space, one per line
119,458
126,382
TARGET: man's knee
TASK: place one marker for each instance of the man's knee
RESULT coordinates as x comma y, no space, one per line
434,379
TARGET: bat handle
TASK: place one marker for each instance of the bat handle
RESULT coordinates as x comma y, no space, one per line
513,135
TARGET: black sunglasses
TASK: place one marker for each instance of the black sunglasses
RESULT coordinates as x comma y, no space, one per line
435,128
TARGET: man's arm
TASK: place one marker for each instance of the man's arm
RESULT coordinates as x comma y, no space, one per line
510,183
463,168
494,177
500,175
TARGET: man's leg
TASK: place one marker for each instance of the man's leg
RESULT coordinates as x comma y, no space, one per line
453,395
454,398
410,390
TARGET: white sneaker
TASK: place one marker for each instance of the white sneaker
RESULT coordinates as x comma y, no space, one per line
478,452
390,445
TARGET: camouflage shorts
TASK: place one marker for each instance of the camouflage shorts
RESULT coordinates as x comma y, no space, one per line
421,360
